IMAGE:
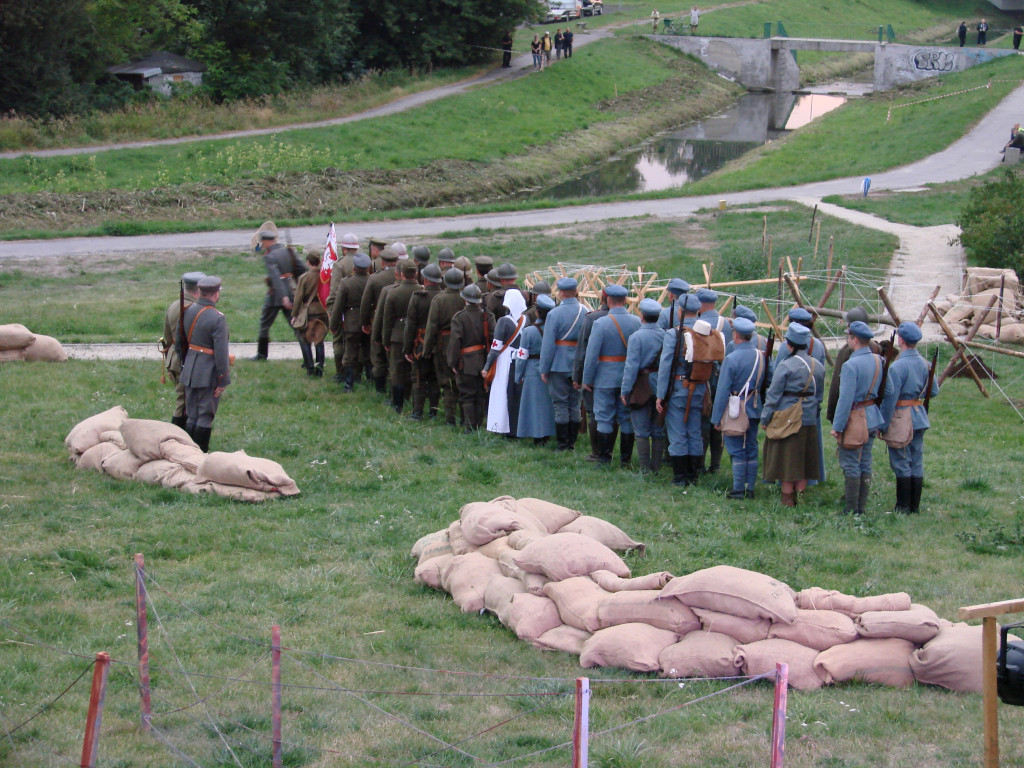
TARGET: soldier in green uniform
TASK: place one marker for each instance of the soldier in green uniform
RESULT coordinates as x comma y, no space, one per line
172,363
342,268
472,329
345,320
421,255
376,249
424,376
483,264
445,260
540,288
507,277
437,336
395,310
371,298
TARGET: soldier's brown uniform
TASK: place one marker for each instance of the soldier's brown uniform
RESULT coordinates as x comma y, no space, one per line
395,310
367,308
345,320
423,373
172,363
436,341
472,331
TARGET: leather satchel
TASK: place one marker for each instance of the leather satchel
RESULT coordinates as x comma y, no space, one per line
856,433
642,393
787,422
901,429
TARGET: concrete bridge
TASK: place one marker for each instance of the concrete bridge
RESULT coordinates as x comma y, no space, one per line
770,64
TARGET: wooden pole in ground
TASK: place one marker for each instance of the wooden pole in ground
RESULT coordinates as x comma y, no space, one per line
884,296
94,720
771,318
799,299
764,237
828,289
728,302
769,256
991,348
975,326
814,216
956,345
842,289
142,633
817,237
707,275
999,317
275,693
581,724
831,246
924,309
779,715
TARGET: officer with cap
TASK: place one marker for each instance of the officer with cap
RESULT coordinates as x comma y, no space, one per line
376,248
640,375
856,313
561,337
446,260
345,320
437,338
536,414
539,288
206,371
859,382
472,328
587,396
742,373
283,270
343,267
672,315
602,375
367,309
172,321
483,265
395,310
423,374
905,399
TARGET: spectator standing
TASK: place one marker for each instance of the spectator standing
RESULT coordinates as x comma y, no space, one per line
546,45
961,33
655,18
536,51
559,44
506,50
982,33
567,42
1018,32
694,20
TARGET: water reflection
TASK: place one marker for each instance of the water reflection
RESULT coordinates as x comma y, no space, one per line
810,106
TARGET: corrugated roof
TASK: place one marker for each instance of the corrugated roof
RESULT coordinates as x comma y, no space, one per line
156,63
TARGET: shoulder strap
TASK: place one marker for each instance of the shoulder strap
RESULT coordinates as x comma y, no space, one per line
514,335
875,377
194,320
581,310
619,329
810,375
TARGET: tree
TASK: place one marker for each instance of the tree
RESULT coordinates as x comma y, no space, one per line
992,222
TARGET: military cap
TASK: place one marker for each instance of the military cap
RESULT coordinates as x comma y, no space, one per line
649,308
740,311
483,261
689,302
798,334
507,272
446,254
268,234
399,247
744,326
266,226
422,255
492,278
857,313
859,329
378,242
361,260
471,293
800,315
408,268
432,272
567,284
615,291
678,286
349,240
707,296
909,332
541,287
388,255
454,278
544,301
192,278
209,283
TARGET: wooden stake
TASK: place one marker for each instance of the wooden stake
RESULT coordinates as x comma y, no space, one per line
94,720
842,288
725,307
142,633
999,317
707,275
828,266
771,318
828,289
924,309
888,305
764,238
779,714
769,273
275,694
817,237
975,326
799,299
956,344
810,232
990,348
581,724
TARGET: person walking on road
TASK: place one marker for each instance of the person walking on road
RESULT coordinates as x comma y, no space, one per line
694,20
538,62
506,50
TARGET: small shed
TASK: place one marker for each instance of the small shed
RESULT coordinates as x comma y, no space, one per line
159,71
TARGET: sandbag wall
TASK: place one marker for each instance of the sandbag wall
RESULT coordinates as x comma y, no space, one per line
163,454
553,576
19,343
961,310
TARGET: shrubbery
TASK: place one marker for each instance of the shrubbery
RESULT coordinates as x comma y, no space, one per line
992,223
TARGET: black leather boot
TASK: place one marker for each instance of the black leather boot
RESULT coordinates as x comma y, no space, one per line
626,449
865,491
851,496
595,439
643,452
680,465
202,438
262,349
573,433
657,453
562,437
180,421
348,378
902,495
397,398
916,486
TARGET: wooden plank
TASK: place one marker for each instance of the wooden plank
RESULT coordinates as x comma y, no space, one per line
991,609
956,344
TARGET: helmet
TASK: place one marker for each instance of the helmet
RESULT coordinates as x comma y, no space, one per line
493,279
454,278
857,313
422,255
446,254
432,272
471,293
399,247
541,287
349,240
462,263
507,272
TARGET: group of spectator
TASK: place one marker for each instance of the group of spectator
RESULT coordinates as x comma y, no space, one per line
541,47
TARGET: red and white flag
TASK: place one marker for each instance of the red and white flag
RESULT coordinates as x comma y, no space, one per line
330,256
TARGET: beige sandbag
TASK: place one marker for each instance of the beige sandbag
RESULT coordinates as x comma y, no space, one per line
564,555
700,654
630,646
484,521
980,302
816,598
951,659
530,616
918,625
507,564
817,629
519,539
86,434
761,657
46,349
979,279
535,582
457,541
93,458
122,465
466,577
177,477
240,469
194,487
15,336
429,571
241,493
152,472
577,600
144,436
494,548
11,355
564,638
612,583
987,331
644,607
424,544
188,456
607,533
499,591
884,662
738,591
743,629
958,313
114,436
1012,333
553,516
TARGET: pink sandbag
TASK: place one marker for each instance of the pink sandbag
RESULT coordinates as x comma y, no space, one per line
240,469
534,582
530,616
952,659
114,436
519,539
86,434
918,625
744,630
93,457
700,654
644,607
484,521
46,349
493,549
816,598
15,336
429,571
611,583
188,456
178,477
122,465
432,545
144,436
761,657
564,555
564,638
466,577
607,533
241,493
817,629
507,564
577,600
499,593
885,662
457,541
553,516
630,646
738,591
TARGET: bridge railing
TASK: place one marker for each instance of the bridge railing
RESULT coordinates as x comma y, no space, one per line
882,33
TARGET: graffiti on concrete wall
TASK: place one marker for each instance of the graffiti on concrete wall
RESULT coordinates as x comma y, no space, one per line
933,60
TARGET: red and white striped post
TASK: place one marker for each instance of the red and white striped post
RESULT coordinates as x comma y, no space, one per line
142,631
581,723
275,688
779,715
94,719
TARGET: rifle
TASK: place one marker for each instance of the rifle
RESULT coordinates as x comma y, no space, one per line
181,321
931,379
672,369
887,358
768,348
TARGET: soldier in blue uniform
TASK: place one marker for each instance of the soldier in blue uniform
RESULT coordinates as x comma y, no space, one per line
712,438
672,315
587,396
815,349
859,382
602,374
536,415
561,336
908,377
742,373
207,368
643,354
759,341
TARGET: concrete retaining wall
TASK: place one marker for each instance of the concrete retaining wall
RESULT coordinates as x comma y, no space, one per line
752,63
902,64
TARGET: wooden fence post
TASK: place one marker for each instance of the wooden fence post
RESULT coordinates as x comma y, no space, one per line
93,721
275,695
779,715
142,632
581,723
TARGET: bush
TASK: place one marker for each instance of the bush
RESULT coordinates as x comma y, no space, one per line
992,222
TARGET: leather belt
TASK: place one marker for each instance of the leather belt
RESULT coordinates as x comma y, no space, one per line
474,348
446,333
611,358
534,357
197,348
565,343
863,404
287,274
908,403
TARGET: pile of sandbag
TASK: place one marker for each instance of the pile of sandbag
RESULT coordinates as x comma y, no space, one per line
159,453
19,343
554,577
961,310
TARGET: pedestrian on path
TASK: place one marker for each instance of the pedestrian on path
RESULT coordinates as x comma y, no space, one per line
694,20
567,42
655,18
506,50
1018,32
547,45
982,33
538,62
559,43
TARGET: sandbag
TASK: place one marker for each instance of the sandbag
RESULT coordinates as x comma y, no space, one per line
114,436
885,662
700,654
951,659
564,555
484,521
493,549
918,625
122,465
577,600
738,591
761,657
519,539
15,336
980,303
553,516
46,349
1012,333
499,592
630,646
86,434
143,437
530,616
93,457
188,456
987,331
152,472
177,477
240,469
743,629
607,533
979,279
425,544
457,541
429,571
564,638
644,607
466,577
816,598
609,582
241,493
958,313
11,355
817,629
507,564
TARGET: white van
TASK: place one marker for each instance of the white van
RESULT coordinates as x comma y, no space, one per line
562,10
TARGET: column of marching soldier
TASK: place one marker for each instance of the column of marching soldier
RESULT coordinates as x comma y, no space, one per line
679,382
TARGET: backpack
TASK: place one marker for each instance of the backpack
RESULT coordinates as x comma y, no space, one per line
707,350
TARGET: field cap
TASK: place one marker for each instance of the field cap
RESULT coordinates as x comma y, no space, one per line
209,283
191,279
799,334
378,242
545,302
707,296
744,326
689,302
616,291
909,332
859,329
387,255
361,260
800,315
567,284
740,311
349,240
432,272
649,308
483,261
678,286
